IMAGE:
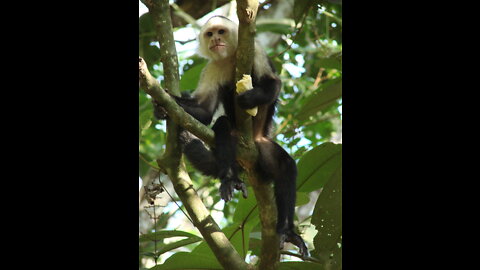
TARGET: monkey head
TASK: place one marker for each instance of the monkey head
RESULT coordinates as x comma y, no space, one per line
218,38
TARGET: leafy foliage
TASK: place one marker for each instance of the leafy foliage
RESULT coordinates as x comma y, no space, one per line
308,57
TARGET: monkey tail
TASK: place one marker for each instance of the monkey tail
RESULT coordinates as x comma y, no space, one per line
276,164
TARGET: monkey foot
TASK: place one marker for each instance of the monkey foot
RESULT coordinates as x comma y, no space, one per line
158,111
228,186
296,240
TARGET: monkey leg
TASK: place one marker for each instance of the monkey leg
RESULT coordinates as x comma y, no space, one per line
199,156
276,164
225,156
218,163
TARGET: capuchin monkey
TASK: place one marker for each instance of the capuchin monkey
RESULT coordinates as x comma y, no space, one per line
215,94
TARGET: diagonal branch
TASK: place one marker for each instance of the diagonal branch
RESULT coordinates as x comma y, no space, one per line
152,87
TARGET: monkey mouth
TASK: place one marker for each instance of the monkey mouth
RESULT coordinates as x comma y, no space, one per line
217,46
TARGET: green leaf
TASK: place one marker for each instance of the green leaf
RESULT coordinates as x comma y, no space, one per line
321,100
151,54
148,254
300,266
330,62
145,119
300,7
339,2
247,209
238,236
145,24
318,166
174,245
280,26
147,35
190,78
302,198
160,235
188,260
327,218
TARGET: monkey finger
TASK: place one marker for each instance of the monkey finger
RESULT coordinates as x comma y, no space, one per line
243,188
226,191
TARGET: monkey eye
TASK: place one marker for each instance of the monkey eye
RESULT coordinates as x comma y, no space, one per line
221,31
209,34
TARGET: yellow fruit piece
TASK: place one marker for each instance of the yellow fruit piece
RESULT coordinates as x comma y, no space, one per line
243,85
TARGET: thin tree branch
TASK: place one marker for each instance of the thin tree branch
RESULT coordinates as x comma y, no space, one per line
185,16
297,32
152,87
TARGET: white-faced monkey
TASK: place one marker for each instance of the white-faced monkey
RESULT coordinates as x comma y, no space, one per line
216,93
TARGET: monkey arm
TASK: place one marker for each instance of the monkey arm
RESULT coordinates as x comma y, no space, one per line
189,105
264,92
192,107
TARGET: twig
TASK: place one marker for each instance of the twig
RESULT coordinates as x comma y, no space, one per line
152,166
321,119
298,30
185,42
182,14
173,200
311,259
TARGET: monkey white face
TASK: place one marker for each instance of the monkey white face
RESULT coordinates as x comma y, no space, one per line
218,39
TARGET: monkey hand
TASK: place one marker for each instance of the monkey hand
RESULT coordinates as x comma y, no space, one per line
158,111
244,85
228,185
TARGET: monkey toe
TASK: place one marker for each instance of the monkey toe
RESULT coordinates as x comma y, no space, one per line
296,240
242,187
158,111
226,191
229,186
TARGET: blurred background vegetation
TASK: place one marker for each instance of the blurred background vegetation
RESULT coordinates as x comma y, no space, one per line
304,40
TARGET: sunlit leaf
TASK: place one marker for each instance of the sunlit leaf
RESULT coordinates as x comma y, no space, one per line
177,244
160,235
189,260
